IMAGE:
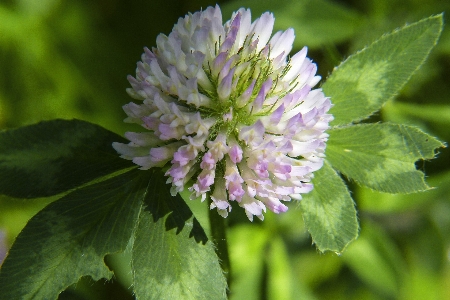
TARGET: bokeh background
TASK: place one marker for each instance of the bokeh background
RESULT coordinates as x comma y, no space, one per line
69,59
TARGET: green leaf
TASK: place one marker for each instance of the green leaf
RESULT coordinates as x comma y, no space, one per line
51,157
329,212
172,257
70,238
366,80
316,22
381,156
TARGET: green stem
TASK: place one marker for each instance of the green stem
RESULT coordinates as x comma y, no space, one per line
219,236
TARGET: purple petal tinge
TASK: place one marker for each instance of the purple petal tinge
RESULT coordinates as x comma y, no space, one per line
227,112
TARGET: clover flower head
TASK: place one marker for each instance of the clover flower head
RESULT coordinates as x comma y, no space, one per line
228,112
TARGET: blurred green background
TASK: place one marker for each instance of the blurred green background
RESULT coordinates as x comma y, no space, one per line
69,59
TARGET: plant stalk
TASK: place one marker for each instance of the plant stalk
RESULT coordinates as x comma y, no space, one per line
218,234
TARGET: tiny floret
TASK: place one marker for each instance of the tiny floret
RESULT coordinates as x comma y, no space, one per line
228,113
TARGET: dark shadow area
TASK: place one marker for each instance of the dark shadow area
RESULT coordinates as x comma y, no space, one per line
102,289
198,233
161,204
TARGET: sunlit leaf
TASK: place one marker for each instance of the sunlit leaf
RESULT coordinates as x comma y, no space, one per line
51,157
329,212
70,238
172,257
366,80
382,156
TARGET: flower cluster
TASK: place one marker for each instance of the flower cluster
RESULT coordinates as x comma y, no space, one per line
228,112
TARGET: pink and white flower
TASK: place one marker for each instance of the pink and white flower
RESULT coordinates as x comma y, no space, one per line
230,114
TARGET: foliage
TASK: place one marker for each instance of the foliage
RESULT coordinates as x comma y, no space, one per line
89,204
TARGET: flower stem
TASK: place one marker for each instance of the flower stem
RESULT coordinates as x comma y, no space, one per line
218,234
